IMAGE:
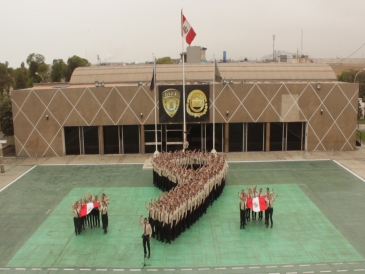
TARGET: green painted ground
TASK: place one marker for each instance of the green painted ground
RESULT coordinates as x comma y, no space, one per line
317,218
301,234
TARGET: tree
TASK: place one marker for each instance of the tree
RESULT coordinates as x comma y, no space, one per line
20,78
6,116
73,63
36,64
349,76
164,60
59,69
6,80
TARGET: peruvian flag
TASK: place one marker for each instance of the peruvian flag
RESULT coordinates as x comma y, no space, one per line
257,204
186,30
86,209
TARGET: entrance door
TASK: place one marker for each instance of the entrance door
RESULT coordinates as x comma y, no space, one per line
195,136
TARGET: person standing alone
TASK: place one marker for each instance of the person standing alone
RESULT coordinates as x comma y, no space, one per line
146,236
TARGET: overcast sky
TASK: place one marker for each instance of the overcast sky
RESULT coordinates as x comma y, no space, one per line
132,30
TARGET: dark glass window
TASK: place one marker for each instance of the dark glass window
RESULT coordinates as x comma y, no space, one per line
111,139
235,137
255,136
276,136
294,141
72,140
91,140
131,139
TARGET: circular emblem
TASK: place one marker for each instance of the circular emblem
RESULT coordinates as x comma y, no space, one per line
196,104
255,204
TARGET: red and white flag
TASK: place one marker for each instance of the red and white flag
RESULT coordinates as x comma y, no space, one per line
257,204
186,30
86,208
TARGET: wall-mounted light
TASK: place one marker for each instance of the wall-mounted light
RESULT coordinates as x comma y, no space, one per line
224,82
319,86
102,84
47,117
243,81
227,112
321,111
96,83
139,83
141,115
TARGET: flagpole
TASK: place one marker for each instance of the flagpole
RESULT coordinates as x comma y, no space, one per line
154,90
183,60
213,150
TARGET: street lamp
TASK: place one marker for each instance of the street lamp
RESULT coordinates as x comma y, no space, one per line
36,73
358,73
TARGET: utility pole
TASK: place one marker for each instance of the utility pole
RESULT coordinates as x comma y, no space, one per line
273,48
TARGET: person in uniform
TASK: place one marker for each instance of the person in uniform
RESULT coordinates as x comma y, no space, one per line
103,208
146,236
76,213
259,195
270,202
243,211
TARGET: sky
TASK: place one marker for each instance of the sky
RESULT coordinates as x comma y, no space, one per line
135,30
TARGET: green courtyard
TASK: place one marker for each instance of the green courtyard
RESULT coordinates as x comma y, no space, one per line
38,228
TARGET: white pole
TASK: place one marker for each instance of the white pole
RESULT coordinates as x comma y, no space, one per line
154,90
183,60
213,150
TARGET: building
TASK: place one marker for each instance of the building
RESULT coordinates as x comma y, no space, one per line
262,107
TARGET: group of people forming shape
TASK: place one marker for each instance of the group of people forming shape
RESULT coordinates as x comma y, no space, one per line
87,212
264,203
191,181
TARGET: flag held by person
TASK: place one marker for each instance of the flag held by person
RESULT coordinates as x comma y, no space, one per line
186,30
86,208
257,204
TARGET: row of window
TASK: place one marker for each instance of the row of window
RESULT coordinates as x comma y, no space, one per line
127,139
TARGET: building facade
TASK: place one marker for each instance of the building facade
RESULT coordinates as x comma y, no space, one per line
249,116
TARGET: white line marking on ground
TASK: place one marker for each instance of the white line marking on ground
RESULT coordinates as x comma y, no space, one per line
68,269
2,268
91,164
240,267
354,263
309,272
47,211
17,179
116,269
203,268
169,269
36,268
186,269
134,269
291,272
254,267
288,265
85,269
336,263
353,173
101,269
323,271
321,264
52,269
269,161
274,273
305,265
152,269
271,266
359,269
220,268
342,270
20,268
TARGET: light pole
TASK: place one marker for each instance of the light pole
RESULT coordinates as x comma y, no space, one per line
36,73
358,73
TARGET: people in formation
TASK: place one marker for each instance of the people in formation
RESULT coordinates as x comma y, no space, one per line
191,181
245,210
93,218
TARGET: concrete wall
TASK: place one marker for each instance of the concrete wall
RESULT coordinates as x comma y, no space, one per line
332,128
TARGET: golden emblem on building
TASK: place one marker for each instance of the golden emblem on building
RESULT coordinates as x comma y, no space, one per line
171,101
197,104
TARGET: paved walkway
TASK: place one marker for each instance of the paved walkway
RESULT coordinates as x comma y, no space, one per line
15,167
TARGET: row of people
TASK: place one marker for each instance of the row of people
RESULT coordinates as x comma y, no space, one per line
245,210
93,218
192,181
